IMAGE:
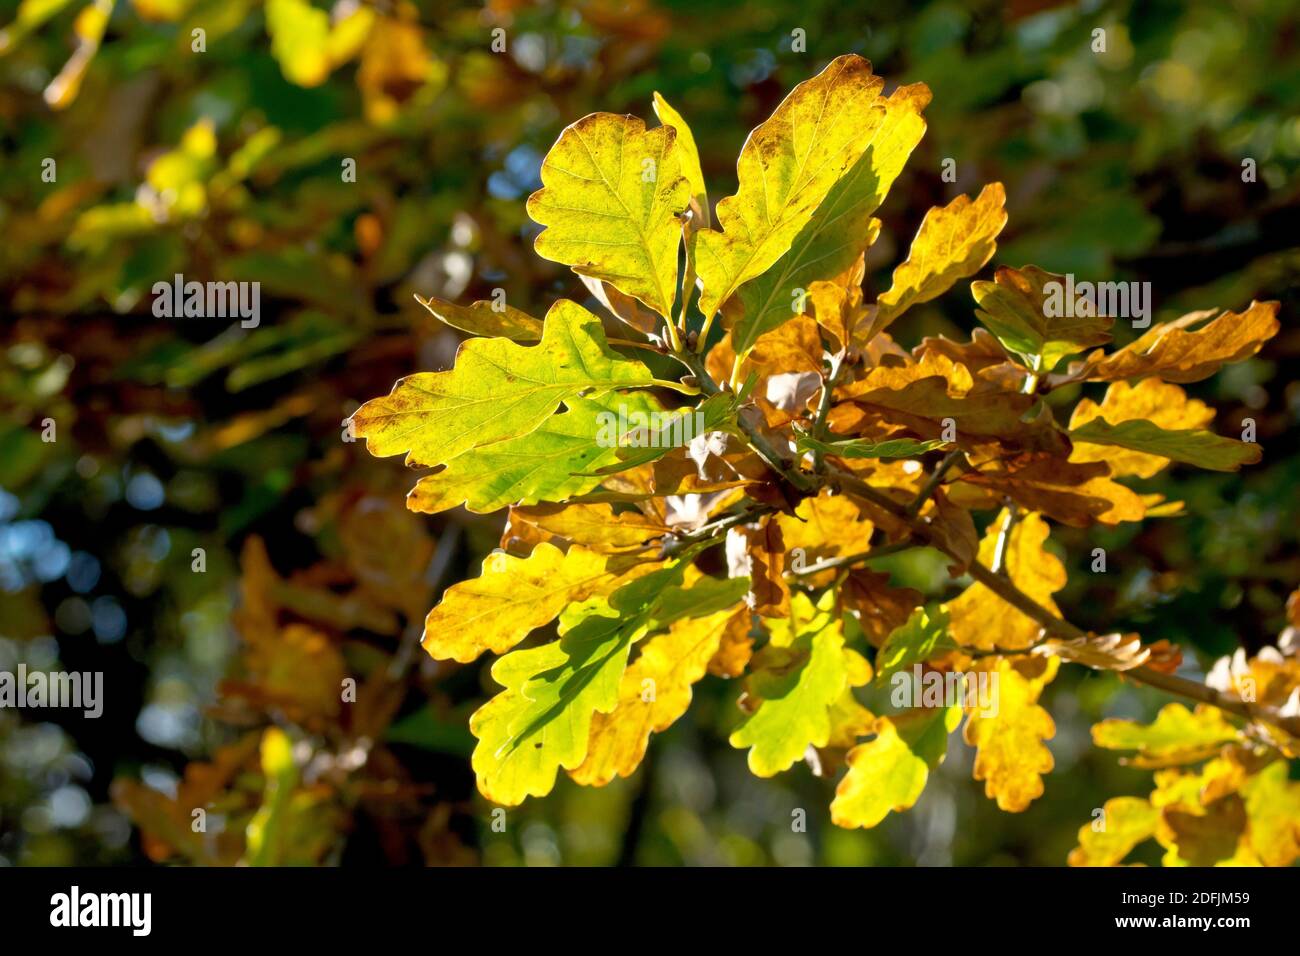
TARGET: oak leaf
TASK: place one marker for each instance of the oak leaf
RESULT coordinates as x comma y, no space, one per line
981,619
498,390
1011,757
889,772
611,195
954,241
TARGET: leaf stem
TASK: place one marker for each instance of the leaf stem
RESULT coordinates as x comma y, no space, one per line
824,407
675,386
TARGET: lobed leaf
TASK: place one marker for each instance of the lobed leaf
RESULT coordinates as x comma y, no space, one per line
611,195
498,390
890,772
954,241
1014,307
786,167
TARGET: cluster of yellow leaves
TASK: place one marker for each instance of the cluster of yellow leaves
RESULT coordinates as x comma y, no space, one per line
602,542
1223,794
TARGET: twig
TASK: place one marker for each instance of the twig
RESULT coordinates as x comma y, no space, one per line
1002,586
935,479
845,560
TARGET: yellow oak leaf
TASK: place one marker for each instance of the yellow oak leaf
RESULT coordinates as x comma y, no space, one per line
1010,757
654,692
1187,349
822,527
594,526
689,155
786,167
1273,810
1176,736
611,196
889,772
979,618
485,318
841,227
513,596
1125,822
954,241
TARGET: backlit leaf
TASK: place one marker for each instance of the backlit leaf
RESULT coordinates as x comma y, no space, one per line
1015,307
1176,736
1125,822
889,772
954,241
1190,446
1187,349
559,460
542,720
793,683
513,596
841,227
610,199
688,153
786,168
484,318
1011,757
979,618
497,390
923,636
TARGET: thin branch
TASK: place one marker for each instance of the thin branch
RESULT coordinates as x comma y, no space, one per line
845,560
935,479
1002,586
1055,626
676,544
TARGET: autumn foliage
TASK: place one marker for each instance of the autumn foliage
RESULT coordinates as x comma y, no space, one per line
630,570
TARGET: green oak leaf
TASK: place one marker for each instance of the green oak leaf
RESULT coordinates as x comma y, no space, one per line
542,720
1191,446
919,638
497,390
1015,307
861,448
796,679
559,460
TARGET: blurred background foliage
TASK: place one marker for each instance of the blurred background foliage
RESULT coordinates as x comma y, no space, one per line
200,531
